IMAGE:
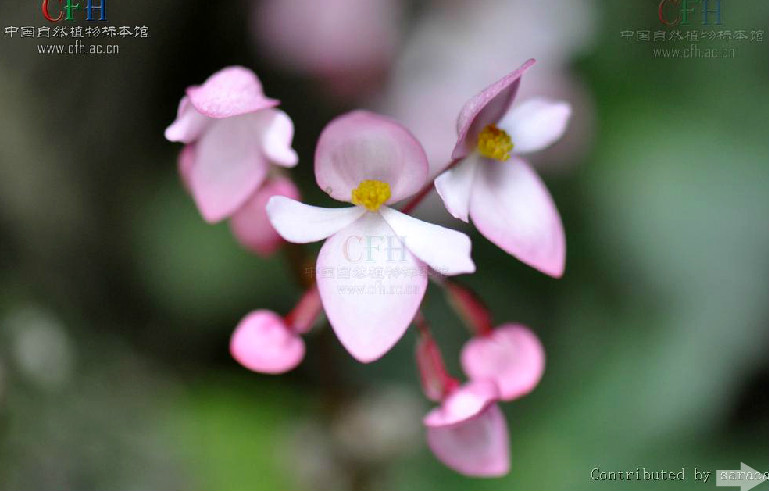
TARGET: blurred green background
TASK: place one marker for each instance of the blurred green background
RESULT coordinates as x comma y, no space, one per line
117,301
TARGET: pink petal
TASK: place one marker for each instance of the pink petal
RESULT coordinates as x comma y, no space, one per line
371,286
301,223
250,223
362,145
536,124
185,163
455,186
464,403
444,250
230,92
476,447
511,207
189,123
488,107
277,136
511,356
229,166
263,343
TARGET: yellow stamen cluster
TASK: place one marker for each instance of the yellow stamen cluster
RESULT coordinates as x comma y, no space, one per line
494,143
371,194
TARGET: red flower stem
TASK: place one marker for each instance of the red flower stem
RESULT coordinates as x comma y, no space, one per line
306,311
417,199
436,381
469,307
422,194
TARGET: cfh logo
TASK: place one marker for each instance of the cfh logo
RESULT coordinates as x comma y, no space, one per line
673,13
69,7
370,248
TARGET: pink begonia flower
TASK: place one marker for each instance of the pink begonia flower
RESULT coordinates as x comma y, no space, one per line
468,431
506,199
511,356
268,343
455,48
232,134
371,270
263,342
347,43
250,224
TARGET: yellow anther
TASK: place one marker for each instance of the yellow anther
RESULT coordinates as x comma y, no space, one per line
371,194
495,143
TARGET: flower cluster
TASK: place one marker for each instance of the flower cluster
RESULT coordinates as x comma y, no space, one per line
237,147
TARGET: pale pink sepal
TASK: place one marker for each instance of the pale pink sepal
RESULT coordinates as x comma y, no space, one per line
511,207
468,431
368,308
363,145
232,91
511,356
487,107
463,403
228,165
477,447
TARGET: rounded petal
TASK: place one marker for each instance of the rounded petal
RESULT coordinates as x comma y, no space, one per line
250,223
189,123
362,145
536,124
276,139
232,91
263,343
511,356
464,403
455,186
371,286
488,107
228,167
301,223
511,207
444,250
478,447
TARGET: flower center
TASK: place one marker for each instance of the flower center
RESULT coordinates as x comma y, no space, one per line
371,194
495,143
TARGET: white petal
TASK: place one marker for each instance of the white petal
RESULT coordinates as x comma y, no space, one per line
371,286
188,125
301,223
536,124
455,185
278,133
446,251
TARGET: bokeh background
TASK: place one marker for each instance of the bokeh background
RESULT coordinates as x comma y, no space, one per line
117,301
